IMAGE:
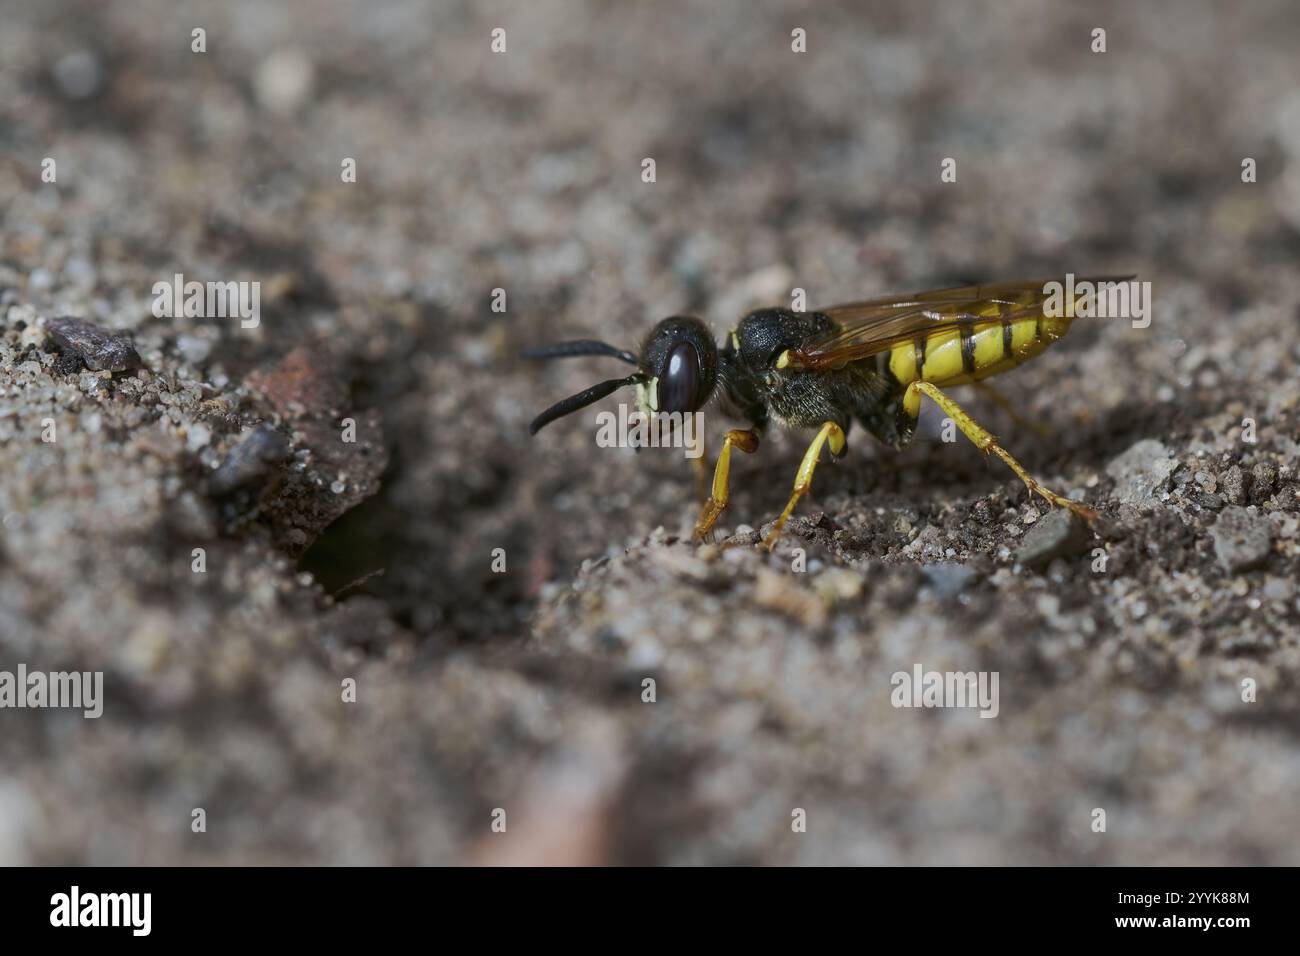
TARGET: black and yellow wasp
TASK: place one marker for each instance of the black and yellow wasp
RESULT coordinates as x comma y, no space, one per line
871,361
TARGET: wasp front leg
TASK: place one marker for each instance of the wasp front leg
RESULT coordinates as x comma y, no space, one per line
830,433
747,441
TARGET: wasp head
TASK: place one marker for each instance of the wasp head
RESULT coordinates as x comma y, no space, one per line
676,370
680,361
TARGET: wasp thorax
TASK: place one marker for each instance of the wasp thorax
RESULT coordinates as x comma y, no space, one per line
682,362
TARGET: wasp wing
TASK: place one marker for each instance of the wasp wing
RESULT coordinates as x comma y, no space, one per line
867,328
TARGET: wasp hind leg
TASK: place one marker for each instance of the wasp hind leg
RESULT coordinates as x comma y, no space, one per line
747,441
830,433
986,442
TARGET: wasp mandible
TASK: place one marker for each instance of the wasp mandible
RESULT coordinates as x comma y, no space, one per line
869,361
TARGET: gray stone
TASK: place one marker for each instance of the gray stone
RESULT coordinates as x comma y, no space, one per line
1060,534
1242,540
250,464
1235,485
97,348
948,579
1141,471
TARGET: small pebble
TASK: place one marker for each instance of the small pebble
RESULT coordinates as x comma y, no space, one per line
1060,534
1141,470
78,75
947,579
283,81
197,436
1263,476
249,463
1235,484
85,343
1242,540
193,349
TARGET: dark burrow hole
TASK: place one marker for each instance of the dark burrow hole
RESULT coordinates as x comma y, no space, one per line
419,557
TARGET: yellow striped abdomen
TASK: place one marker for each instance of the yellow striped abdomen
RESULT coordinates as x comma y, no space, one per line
975,351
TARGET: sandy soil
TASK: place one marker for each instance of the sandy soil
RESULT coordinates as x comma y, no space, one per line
1121,655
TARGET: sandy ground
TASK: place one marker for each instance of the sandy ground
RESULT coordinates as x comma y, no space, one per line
1121,656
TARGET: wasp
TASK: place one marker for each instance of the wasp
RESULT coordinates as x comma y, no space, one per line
871,362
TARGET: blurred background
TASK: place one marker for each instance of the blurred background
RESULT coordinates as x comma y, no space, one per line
522,690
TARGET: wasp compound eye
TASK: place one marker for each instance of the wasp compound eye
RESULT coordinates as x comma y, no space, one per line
681,380
681,359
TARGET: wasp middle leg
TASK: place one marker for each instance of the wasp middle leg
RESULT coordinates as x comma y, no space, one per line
830,432
985,441
747,441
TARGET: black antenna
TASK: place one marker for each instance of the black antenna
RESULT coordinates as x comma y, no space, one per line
579,347
581,400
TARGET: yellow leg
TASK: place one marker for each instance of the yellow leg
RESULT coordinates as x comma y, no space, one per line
830,432
985,441
746,441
